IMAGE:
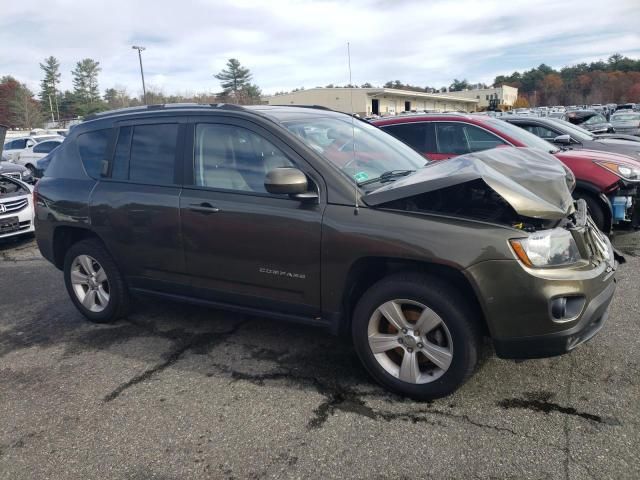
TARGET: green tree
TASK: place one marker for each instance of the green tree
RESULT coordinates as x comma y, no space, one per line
459,85
234,78
48,85
85,80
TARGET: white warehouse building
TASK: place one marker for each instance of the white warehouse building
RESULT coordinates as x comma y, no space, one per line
506,95
374,101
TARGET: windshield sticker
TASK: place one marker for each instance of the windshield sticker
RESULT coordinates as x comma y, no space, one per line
361,177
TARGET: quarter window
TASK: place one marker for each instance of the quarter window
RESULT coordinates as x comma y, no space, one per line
153,154
234,158
92,147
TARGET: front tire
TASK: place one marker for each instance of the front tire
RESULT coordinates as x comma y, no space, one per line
416,335
95,283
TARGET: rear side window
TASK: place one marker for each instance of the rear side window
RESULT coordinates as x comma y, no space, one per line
92,147
153,154
413,134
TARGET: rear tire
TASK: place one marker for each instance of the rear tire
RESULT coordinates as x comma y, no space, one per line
94,282
426,364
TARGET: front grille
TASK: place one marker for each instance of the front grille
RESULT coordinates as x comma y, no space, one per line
14,206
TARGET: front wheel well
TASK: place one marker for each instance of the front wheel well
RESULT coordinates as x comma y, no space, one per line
365,272
64,237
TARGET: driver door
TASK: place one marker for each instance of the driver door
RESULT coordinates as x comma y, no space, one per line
243,245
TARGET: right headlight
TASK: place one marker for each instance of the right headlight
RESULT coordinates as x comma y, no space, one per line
623,171
546,248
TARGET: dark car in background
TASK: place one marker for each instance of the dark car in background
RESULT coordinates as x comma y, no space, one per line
309,215
591,120
565,134
606,181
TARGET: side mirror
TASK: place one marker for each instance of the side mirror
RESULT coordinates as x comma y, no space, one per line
288,181
563,139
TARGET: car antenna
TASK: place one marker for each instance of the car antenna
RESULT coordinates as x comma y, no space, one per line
353,130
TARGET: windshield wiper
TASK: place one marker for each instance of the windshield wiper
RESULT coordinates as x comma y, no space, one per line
386,177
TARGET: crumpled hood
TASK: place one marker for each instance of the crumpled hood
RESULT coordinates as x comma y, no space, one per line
533,182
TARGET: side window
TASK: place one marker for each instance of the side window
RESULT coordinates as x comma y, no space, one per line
92,147
19,144
540,131
451,138
480,139
413,134
120,167
153,154
45,147
234,158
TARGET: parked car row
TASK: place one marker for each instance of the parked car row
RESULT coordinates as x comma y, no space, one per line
417,259
26,151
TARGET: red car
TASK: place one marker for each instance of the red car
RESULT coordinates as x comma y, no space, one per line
608,182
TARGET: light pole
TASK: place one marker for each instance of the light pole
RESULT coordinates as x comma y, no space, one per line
144,90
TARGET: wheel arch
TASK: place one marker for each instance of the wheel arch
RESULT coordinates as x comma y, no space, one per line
65,236
366,271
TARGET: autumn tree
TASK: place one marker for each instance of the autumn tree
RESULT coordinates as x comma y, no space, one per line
521,102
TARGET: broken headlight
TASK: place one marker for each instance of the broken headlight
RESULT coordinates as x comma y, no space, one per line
546,248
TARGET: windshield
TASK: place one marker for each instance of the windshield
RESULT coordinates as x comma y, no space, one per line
528,139
375,153
578,133
625,117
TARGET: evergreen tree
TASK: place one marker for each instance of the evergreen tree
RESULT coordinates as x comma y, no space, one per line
48,85
234,78
85,81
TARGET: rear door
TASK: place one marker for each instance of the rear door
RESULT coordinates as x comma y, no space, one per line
243,245
135,205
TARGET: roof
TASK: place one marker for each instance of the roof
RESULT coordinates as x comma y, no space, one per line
382,91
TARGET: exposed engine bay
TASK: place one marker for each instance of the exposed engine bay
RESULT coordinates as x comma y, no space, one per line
11,188
474,200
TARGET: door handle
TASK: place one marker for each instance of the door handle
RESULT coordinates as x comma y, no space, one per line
204,207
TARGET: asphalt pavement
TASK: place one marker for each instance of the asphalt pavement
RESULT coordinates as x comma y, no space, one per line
177,392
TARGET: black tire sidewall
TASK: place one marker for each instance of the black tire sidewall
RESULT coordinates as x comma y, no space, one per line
94,249
449,305
596,210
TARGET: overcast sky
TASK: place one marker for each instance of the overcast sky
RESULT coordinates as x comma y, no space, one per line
289,44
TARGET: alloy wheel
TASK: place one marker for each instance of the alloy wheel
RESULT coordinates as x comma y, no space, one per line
410,341
90,283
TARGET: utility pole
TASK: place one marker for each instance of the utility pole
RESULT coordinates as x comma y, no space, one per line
144,89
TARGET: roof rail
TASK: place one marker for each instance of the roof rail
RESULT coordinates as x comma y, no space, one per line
317,107
160,106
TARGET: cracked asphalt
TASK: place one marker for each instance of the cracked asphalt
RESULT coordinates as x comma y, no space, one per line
178,392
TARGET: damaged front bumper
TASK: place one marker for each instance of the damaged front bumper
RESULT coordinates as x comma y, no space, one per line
547,311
